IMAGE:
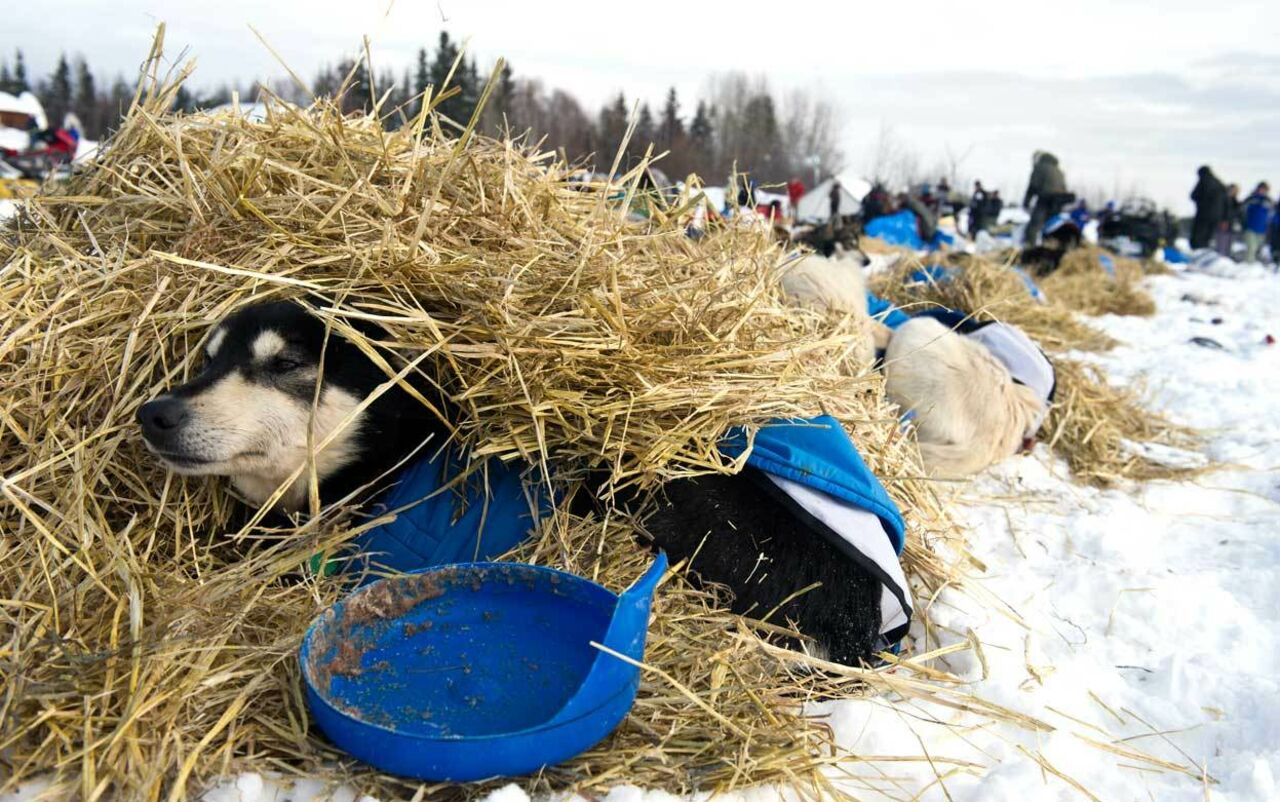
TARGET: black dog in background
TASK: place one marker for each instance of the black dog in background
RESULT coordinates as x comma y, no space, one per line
247,414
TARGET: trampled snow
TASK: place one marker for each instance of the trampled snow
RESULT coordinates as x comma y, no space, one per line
1145,615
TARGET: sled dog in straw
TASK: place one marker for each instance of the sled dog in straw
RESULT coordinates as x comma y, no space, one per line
246,416
971,410
834,284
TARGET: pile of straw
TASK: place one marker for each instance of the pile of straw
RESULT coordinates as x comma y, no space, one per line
1082,284
990,290
1091,422
148,649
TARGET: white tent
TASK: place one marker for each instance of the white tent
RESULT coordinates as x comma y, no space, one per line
14,111
815,205
22,106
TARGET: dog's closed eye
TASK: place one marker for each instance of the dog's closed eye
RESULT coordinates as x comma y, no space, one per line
283,364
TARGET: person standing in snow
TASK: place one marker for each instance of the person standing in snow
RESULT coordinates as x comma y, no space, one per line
877,203
1275,235
978,210
1225,234
944,197
1210,198
795,191
1257,218
1080,214
995,205
1048,188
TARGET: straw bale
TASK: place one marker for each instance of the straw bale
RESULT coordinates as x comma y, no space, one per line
1082,284
989,290
1091,422
149,644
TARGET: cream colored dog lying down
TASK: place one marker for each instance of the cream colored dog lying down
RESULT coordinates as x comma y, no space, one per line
835,285
969,411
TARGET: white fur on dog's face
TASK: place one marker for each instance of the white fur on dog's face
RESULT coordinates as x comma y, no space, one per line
247,417
257,435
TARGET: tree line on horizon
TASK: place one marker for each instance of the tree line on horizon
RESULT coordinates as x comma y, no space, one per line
739,123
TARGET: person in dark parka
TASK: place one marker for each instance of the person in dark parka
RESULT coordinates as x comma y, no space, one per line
1210,198
1048,187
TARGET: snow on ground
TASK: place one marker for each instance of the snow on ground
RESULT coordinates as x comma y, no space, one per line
1148,612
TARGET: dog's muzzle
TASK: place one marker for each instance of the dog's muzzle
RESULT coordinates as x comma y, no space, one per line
162,421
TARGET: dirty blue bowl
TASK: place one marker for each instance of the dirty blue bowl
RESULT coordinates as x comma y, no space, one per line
476,670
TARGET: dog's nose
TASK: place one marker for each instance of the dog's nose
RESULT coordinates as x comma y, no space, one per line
162,415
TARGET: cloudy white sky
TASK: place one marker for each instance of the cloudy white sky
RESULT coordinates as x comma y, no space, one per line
1128,94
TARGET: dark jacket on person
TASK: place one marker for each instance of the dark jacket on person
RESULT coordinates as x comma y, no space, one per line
1046,179
1210,198
978,211
876,203
994,205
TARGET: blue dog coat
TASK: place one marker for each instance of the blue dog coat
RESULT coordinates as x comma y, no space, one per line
820,476
491,513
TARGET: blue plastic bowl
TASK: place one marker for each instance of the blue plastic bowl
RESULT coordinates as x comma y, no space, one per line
476,670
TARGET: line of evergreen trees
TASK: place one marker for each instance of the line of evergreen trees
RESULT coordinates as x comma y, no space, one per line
740,121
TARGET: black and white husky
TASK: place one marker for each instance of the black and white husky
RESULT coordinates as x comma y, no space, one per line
263,401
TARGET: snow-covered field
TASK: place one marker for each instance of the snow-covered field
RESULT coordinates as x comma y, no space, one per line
1139,623
1142,618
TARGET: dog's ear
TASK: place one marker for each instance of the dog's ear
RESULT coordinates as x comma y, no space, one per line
1026,409
880,335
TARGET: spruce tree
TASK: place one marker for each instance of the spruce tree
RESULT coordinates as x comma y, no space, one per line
701,139
421,79
610,131
183,100
325,84
646,130
472,87
86,102
20,84
446,55
57,95
6,78
118,105
671,129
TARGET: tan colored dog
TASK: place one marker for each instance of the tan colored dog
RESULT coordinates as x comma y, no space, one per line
970,413
836,285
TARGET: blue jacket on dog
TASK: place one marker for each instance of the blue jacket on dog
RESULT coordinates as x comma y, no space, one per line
813,465
817,472
496,515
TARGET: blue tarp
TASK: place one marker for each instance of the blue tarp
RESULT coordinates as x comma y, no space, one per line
896,229
937,274
901,229
1108,264
1174,256
1032,286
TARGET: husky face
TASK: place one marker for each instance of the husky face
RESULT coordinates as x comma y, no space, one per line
253,413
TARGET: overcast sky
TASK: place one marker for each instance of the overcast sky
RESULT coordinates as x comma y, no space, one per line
1128,94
